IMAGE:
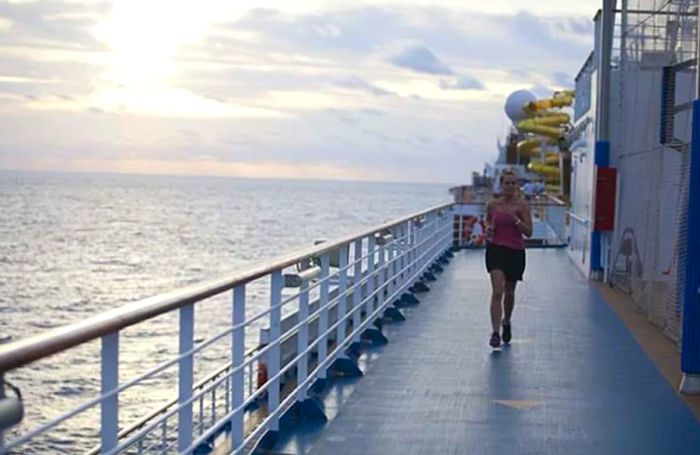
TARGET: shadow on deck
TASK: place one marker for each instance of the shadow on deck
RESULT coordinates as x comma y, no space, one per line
573,380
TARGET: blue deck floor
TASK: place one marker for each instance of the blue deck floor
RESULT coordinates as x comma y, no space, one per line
574,380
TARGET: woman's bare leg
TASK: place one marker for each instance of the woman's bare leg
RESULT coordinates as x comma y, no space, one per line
508,301
497,289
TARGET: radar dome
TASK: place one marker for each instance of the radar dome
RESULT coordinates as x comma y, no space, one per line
515,103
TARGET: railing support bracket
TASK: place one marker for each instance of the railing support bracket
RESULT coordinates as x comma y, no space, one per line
375,337
394,314
345,367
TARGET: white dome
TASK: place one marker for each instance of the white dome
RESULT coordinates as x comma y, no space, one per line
515,103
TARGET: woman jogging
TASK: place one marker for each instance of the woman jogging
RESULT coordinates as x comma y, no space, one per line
508,220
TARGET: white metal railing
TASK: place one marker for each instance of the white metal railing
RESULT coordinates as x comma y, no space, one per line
549,216
360,275
550,221
579,232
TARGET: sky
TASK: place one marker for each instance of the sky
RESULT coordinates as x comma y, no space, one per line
388,90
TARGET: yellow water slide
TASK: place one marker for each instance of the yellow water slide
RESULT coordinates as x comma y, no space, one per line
545,125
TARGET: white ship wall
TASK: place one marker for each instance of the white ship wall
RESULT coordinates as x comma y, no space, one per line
642,249
580,224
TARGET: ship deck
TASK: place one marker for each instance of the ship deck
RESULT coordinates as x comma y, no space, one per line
574,379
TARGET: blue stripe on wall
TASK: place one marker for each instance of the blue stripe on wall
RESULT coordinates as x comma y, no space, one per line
601,159
596,263
690,345
602,154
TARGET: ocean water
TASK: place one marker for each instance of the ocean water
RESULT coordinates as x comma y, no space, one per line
73,245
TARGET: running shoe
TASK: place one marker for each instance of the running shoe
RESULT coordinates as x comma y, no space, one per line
495,340
506,333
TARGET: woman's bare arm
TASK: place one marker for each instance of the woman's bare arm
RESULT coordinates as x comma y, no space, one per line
525,223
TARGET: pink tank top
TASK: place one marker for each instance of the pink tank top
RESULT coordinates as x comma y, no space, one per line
505,232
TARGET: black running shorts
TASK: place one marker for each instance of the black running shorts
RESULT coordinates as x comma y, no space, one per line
508,260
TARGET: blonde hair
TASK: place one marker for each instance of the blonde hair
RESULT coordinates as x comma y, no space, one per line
507,172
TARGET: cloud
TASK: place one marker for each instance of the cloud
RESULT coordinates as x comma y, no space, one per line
562,79
372,112
357,30
433,40
356,82
417,57
579,26
541,91
462,83
53,24
294,66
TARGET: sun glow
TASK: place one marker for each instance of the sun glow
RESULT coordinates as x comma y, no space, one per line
145,41
144,38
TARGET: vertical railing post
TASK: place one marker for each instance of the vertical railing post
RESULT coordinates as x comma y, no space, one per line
414,249
186,377
432,216
237,359
2,396
447,216
460,234
343,252
436,239
394,257
425,240
109,407
418,247
303,339
274,357
323,317
357,291
383,282
402,255
425,229
409,250
371,253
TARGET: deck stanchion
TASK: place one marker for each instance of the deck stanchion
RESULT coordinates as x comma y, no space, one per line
342,366
323,317
237,359
357,293
402,255
109,407
186,377
343,252
411,248
383,282
274,358
390,261
2,396
273,363
309,408
371,277
372,335
303,340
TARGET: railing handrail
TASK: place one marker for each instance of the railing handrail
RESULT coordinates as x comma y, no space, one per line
587,64
579,219
546,200
556,201
22,352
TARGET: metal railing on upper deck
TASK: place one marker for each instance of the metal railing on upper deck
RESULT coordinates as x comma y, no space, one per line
549,218
355,277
